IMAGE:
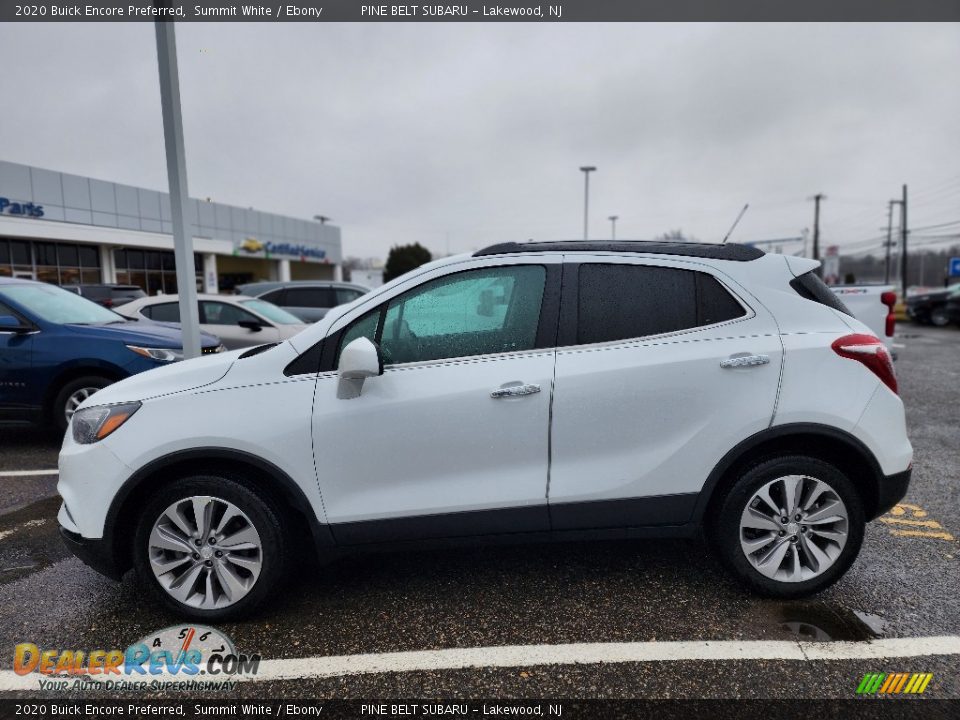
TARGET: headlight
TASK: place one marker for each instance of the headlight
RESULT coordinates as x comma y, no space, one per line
95,423
161,354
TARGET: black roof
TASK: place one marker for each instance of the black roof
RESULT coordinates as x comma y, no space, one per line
712,251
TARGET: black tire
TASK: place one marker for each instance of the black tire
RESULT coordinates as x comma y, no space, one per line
58,410
939,317
724,533
265,516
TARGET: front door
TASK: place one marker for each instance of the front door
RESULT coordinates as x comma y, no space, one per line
452,439
16,351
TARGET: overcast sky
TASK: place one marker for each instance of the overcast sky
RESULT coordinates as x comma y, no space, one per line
457,136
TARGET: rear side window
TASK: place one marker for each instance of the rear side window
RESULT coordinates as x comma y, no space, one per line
274,296
164,312
346,295
310,297
94,292
810,286
617,302
132,292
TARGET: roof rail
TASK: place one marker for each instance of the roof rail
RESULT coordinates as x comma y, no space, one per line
712,251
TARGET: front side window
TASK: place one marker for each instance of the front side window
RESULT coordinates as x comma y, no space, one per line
218,313
477,312
271,312
618,302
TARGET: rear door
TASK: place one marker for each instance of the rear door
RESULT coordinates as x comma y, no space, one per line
663,367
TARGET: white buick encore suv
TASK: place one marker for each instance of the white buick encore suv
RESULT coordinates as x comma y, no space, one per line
547,390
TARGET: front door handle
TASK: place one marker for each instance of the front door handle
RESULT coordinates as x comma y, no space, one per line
745,361
515,391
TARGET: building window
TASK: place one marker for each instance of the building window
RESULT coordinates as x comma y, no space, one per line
152,270
56,263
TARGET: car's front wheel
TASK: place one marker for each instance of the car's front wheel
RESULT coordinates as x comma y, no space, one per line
790,527
72,394
210,547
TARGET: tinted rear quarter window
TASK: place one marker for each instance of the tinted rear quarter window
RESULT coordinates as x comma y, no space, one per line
164,312
127,292
310,297
810,286
274,296
617,302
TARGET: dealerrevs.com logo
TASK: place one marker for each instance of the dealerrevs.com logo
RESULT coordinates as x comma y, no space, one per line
894,683
192,657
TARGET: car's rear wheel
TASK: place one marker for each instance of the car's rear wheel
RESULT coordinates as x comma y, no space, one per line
790,527
72,394
939,317
210,547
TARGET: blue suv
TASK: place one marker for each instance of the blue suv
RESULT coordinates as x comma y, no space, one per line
57,348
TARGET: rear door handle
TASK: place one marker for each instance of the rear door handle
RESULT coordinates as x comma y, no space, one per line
744,361
515,391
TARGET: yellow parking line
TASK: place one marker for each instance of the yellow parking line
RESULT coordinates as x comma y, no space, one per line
903,521
922,533
901,509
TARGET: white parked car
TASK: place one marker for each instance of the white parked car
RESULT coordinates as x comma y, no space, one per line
239,322
612,389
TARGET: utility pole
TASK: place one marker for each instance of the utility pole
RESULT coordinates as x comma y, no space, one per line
889,246
816,228
903,236
586,170
613,226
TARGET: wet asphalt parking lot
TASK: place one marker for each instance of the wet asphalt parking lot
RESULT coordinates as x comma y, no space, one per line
904,585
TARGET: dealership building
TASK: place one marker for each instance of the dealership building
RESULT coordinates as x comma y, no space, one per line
63,228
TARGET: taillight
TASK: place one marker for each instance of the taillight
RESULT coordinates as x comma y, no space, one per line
870,351
889,299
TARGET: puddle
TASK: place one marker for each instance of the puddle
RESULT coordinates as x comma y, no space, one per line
816,622
29,540
875,623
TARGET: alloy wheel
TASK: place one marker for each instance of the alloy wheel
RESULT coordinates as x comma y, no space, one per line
794,528
205,552
75,399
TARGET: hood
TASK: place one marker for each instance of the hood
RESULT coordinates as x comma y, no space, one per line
138,333
173,378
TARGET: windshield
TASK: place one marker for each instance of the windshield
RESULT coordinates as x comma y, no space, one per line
56,305
272,312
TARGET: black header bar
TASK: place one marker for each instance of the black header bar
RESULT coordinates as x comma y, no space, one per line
480,11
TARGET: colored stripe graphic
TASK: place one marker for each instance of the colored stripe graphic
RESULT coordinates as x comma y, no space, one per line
894,683
870,683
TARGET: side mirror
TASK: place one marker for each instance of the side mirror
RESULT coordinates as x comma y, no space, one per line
358,361
251,325
9,323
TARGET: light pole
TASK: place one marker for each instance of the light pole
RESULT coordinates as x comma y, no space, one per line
322,219
586,170
613,226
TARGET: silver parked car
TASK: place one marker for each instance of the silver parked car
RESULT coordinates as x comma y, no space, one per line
309,300
238,321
